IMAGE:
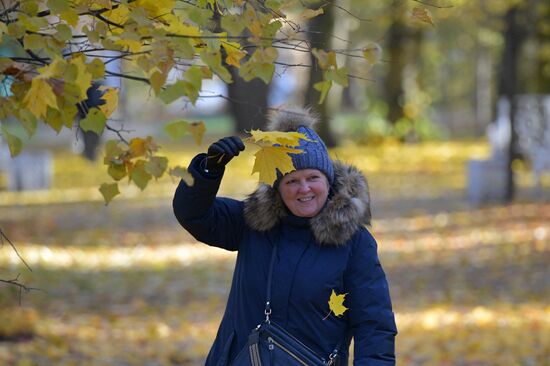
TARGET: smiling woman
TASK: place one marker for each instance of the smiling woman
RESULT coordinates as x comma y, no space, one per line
298,247
304,192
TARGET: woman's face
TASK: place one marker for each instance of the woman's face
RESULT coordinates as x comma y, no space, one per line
304,192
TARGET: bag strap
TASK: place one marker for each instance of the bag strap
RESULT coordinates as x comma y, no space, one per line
267,310
336,352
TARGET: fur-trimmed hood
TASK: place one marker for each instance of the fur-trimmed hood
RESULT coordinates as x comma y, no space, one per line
346,210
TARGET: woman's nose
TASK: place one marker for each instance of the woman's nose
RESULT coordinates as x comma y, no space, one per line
304,187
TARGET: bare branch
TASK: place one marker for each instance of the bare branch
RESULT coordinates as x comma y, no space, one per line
433,5
4,237
347,11
15,282
119,132
137,78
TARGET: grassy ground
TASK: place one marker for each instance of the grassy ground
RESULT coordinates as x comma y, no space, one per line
124,285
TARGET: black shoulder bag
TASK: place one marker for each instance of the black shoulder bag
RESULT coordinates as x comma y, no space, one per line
270,345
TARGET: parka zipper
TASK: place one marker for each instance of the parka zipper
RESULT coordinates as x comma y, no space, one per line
271,340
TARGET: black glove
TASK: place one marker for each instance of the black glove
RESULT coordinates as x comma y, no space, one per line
222,151
93,100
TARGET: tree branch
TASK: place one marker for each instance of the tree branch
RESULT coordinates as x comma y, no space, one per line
433,5
137,78
15,282
4,237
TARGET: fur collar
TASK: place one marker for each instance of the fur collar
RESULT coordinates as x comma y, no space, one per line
345,212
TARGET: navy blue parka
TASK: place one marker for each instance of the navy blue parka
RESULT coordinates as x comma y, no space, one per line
332,251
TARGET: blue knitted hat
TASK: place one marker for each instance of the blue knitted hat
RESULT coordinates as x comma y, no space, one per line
315,155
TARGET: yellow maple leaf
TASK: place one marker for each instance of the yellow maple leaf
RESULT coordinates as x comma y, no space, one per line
84,77
39,96
129,45
138,147
336,303
291,139
155,8
269,159
176,25
111,100
234,53
53,69
119,15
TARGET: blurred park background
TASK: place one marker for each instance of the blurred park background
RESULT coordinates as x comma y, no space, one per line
451,127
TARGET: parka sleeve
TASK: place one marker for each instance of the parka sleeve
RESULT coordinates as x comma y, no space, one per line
370,310
215,221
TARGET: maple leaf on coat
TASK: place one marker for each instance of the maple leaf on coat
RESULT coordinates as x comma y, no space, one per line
336,303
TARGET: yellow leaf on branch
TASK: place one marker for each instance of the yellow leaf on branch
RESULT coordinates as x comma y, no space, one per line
269,159
83,77
422,14
177,26
234,53
311,13
155,8
39,96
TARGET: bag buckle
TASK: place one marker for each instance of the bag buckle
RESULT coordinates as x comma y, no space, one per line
267,312
332,358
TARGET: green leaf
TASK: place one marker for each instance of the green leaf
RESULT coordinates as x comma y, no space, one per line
182,48
339,76
109,191
58,6
29,7
64,32
194,76
233,24
156,166
33,42
96,68
177,129
250,70
95,121
14,142
173,92
28,121
54,119
178,89
139,175
214,60
157,80
112,149
117,170
265,72
372,53
323,87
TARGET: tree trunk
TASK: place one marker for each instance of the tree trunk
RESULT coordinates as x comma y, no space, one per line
247,102
247,99
513,38
403,45
320,30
